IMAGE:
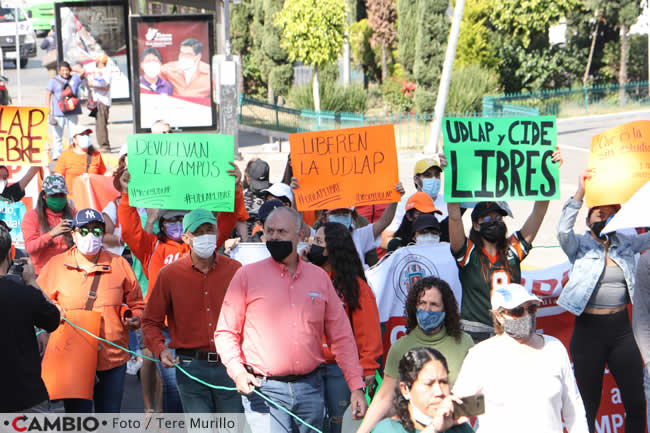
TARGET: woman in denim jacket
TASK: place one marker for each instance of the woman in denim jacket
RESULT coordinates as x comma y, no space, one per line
599,289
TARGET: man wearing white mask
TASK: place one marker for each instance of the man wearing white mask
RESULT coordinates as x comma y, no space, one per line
189,75
427,230
150,79
189,292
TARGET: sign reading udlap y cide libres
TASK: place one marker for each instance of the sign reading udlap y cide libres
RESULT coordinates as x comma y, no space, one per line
181,171
506,158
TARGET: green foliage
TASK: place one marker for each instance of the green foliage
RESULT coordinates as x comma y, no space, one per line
398,95
312,30
407,24
362,52
334,97
637,67
468,86
280,79
474,44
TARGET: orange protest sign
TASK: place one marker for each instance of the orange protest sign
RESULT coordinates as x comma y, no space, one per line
70,361
23,135
620,158
345,167
93,191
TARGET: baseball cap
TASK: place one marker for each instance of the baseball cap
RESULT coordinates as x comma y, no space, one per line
54,184
511,296
86,216
258,172
266,209
425,221
168,214
280,190
194,219
485,207
422,202
424,164
80,129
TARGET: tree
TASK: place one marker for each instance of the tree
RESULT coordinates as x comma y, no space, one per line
362,52
407,19
382,17
312,33
474,44
275,67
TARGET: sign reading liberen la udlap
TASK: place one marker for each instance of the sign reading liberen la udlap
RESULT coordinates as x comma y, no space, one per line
181,171
506,158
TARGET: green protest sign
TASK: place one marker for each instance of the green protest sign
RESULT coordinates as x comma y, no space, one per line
501,159
181,171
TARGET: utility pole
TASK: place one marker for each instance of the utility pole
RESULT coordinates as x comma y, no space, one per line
228,92
20,91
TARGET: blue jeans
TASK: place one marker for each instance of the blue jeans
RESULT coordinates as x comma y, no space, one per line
646,387
304,398
171,397
198,398
337,397
62,122
107,394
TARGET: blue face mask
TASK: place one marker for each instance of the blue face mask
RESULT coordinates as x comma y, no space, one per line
345,219
431,186
429,320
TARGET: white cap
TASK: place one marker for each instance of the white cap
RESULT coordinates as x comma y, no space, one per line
124,149
80,129
511,296
280,190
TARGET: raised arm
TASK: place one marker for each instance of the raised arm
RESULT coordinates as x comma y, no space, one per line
386,217
456,230
565,234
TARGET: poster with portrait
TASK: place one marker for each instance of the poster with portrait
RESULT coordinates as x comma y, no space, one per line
172,72
89,29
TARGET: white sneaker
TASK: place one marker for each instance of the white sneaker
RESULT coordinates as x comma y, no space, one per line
133,366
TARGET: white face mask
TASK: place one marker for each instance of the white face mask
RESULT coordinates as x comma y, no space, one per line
427,238
83,141
151,69
419,416
186,64
88,245
204,245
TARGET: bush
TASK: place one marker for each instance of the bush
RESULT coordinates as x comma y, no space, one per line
398,94
333,97
468,86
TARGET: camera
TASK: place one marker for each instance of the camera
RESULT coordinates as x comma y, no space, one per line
17,268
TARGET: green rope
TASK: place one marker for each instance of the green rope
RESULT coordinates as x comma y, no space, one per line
40,332
224,388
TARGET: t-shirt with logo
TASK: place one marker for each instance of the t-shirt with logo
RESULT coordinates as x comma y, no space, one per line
477,288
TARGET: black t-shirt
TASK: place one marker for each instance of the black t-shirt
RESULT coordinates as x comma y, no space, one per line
13,192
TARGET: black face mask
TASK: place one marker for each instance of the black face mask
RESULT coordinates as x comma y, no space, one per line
598,227
493,231
315,255
279,250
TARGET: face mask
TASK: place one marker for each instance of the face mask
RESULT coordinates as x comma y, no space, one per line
493,231
204,245
427,238
431,186
598,227
315,255
279,250
521,328
417,414
83,141
174,231
90,244
186,64
345,219
429,320
151,69
56,204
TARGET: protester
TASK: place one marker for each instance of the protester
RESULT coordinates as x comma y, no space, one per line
309,217
161,127
23,306
189,76
526,378
87,277
99,83
63,81
262,214
16,191
600,286
49,47
256,180
641,320
418,204
424,401
279,191
79,158
432,321
427,230
46,228
189,293
270,332
334,251
150,79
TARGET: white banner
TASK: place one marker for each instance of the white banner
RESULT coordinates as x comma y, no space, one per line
634,213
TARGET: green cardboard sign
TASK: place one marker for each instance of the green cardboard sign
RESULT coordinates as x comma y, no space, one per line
502,159
181,171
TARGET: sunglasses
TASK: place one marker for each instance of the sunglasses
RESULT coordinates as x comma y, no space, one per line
519,311
96,231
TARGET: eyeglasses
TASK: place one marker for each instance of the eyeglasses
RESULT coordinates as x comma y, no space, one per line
96,231
489,219
519,311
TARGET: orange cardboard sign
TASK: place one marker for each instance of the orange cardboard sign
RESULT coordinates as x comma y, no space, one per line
23,136
621,159
93,191
345,167
70,361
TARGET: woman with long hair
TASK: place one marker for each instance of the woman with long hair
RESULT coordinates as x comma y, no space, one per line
334,251
432,321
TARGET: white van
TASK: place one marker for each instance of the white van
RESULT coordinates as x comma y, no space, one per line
8,35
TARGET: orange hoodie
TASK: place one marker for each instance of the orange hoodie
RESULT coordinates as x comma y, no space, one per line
367,333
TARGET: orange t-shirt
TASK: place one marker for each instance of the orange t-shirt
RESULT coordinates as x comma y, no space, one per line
71,164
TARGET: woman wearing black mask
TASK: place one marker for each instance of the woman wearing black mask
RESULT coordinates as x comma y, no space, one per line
334,251
599,289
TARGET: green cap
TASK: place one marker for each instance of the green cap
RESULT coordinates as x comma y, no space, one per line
194,219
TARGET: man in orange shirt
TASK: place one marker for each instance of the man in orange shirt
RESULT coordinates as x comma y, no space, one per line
189,76
88,277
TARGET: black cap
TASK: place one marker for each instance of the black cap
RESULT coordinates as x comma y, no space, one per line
258,172
425,221
266,209
485,207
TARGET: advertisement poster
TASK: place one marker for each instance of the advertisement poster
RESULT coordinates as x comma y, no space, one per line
93,28
172,77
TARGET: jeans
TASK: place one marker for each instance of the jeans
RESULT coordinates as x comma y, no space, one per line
107,394
69,120
337,397
646,386
171,397
198,398
305,398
